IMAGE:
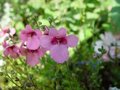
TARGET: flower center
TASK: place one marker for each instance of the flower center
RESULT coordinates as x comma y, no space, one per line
12,47
32,51
59,40
31,34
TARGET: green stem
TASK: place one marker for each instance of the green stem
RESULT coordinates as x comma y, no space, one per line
6,73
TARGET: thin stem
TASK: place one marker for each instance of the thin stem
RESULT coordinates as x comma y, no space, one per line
10,77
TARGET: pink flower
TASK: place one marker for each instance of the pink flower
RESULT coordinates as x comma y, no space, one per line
31,37
106,57
12,51
7,31
5,44
32,56
58,42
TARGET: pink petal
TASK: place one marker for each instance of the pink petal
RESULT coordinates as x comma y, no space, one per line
5,44
16,49
6,30
32,59
12,31
28,28
41,52
10,51
13,51
62,32
23,35
23,50
33,43
14,55
6,52
1,33
53,32
59,53
72,40
38,32
45,41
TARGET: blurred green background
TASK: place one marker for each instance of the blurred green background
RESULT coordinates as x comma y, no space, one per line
85,18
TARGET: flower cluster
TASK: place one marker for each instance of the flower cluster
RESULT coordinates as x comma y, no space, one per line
110,44
35,43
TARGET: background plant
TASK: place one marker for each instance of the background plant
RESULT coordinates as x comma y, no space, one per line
85,18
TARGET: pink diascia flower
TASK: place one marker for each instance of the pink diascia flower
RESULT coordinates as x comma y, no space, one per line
5,44
31,37
32,56
7,31
58,42
12,51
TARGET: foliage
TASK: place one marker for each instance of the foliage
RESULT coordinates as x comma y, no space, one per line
85,18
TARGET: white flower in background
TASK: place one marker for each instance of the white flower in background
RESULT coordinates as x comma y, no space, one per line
110,44
112,51
107,40
98,45
113,88
118,52
118,43
118,49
